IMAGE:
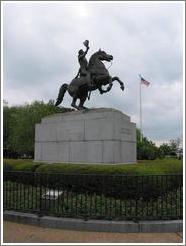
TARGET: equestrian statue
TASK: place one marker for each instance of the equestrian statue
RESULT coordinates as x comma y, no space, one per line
91,76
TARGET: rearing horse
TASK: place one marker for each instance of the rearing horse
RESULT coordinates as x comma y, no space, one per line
97,76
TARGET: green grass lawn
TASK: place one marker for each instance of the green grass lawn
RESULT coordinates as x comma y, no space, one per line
159,166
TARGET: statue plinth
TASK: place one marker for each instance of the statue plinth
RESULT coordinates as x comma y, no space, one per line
101,135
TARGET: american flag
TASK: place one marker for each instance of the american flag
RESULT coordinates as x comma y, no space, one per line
144,81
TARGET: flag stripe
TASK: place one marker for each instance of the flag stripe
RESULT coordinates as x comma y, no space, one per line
145,82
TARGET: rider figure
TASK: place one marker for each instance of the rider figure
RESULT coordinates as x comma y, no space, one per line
83,70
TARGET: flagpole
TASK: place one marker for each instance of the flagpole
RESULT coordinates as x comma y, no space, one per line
141,134
147,83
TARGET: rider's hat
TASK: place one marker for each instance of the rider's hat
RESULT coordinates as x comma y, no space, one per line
86,43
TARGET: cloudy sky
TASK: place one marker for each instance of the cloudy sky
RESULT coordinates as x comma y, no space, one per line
41,42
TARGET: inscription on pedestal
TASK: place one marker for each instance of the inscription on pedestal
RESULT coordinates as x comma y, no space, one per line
126,131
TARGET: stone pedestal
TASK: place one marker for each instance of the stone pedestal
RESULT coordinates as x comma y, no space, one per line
102,135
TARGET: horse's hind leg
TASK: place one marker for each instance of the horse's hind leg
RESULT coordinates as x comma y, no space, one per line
82,100
73,104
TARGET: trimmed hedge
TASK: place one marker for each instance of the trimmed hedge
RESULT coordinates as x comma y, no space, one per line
103,179
165,166
142,168
117,186
20,165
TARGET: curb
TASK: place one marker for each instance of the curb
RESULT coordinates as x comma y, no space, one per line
95,225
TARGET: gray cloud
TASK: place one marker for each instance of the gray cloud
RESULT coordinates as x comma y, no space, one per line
41,41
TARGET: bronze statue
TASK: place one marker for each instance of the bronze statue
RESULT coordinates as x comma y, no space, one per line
91,76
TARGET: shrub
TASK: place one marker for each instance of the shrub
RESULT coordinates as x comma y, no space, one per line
165,166
117,186
20,165
25,167
8,166
125,181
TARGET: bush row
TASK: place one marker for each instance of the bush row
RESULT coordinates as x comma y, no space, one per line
20,165
131,181
118,186
166,166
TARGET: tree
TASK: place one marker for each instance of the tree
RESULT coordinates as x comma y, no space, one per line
19,124
164,150
174,145
8,113
146,149
171,148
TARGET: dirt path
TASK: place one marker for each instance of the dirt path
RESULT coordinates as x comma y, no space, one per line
22,233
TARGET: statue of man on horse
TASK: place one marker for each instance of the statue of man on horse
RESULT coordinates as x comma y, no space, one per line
91,76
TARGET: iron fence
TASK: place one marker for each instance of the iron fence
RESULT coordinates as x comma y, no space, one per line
94,196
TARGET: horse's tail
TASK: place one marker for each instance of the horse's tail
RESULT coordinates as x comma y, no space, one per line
61,94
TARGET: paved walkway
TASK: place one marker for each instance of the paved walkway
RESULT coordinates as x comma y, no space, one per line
22,233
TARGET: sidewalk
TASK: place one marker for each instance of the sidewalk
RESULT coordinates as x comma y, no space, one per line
22,233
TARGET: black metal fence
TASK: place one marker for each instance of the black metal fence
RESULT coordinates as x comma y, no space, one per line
117,197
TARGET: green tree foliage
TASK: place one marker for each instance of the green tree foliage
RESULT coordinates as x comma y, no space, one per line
174,145
164,150
171,148
8,113
146,149
19,124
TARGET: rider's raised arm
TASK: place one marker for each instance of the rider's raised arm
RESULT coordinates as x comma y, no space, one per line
84,54
87,48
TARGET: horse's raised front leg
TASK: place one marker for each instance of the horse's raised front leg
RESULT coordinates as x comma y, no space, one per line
101,90
120,82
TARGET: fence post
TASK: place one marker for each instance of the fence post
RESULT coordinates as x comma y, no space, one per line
40,212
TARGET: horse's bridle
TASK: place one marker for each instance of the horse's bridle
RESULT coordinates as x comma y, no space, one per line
110,65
